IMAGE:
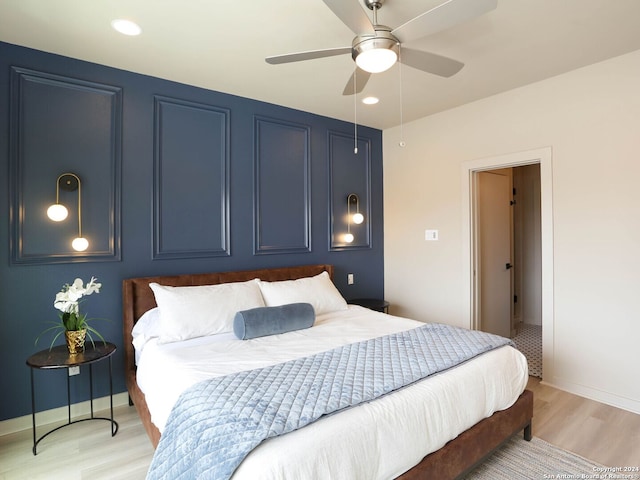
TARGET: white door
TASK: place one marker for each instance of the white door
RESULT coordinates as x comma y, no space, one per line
494,248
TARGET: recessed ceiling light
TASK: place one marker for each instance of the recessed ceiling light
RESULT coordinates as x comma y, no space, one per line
126,27
370,100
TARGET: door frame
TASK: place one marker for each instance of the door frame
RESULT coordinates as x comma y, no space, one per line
543,156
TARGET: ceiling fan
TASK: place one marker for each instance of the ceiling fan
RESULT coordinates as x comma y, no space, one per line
377,48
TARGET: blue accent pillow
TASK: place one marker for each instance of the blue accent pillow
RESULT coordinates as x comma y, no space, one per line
263,321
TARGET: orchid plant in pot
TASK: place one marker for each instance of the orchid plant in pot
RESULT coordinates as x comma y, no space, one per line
74,324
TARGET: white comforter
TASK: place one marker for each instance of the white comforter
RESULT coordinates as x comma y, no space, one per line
383,438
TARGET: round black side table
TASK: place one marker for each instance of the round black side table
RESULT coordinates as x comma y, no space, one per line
59,357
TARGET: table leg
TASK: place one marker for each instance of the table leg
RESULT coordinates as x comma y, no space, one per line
91,387
33,413
113,424
68,396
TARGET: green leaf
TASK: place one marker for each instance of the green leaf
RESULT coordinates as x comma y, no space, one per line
91,330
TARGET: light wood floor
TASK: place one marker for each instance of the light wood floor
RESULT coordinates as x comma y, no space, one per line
86,450
607,435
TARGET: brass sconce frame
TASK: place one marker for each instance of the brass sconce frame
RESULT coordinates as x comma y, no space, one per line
57,212
357,217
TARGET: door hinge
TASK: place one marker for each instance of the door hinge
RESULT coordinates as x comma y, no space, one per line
515,299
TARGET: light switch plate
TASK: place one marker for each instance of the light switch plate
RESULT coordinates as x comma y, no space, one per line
431,235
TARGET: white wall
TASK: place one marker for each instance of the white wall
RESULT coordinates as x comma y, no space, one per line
591,120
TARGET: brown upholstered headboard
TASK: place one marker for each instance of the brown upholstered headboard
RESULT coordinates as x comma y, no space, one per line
137,298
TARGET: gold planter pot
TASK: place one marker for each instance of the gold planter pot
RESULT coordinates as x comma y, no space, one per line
75,340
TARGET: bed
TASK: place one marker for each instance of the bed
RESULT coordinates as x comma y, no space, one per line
452,458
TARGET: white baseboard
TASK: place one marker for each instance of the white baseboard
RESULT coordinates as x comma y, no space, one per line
624,403
18,424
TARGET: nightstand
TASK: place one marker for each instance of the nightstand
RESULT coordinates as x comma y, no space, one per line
59,357
372,303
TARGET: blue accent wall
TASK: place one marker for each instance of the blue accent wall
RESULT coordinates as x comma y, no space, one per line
175,179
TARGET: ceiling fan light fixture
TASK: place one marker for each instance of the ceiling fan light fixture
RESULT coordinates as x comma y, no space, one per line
375,54
377,60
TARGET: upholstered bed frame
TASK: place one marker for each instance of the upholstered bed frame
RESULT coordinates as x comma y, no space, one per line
453,460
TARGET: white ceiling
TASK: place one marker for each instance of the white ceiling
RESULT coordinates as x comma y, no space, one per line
221,45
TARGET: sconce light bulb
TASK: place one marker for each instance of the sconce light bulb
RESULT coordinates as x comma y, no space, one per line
80,244
348,237
358,218
57,212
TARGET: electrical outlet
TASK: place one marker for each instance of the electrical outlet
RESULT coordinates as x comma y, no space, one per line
74,371
350,279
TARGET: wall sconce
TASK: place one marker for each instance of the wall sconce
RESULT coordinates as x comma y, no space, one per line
357,217
58,212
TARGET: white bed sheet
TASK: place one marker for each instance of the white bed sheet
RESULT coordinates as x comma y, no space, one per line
384,438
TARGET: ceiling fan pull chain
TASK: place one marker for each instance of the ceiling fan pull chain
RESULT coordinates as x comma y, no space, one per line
401,143
355,113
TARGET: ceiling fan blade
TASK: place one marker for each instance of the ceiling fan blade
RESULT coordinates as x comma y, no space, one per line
362,78
352,15
430,62
448,14
309,55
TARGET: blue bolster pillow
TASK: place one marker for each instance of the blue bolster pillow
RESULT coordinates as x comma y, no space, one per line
263,321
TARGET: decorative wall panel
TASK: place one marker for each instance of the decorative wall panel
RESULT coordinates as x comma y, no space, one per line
156,151
282,187
349,173
60,124
191,180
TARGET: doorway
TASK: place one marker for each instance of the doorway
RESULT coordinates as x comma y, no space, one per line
508,260
472,295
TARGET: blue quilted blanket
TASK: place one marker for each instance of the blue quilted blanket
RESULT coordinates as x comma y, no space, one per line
216,423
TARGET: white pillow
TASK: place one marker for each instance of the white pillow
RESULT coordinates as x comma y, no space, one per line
146,328
148,325
189,312
319,291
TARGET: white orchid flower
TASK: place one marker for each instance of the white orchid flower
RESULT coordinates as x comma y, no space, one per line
63,305
93,286
75,291
67,300
62,302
